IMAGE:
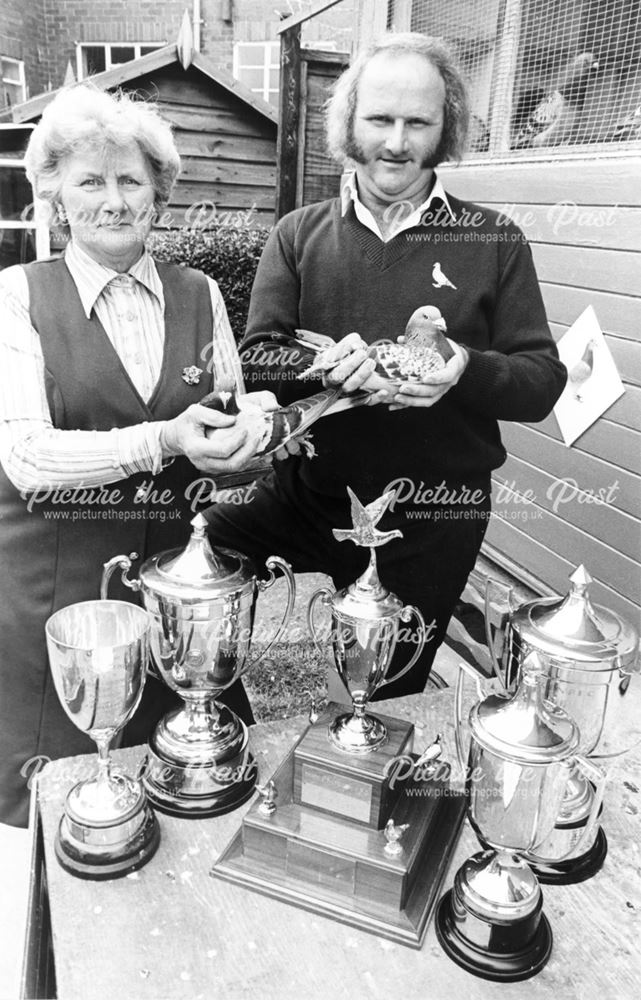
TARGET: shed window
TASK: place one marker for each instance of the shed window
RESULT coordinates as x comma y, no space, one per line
20,239
257,65
14,89
99,56
544,75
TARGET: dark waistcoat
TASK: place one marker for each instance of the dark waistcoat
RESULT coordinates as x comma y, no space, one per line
52,549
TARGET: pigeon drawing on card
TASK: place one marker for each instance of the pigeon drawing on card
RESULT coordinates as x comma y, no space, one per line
593,380
582,370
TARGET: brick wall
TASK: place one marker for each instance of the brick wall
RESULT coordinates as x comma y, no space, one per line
46,32
22,36
72,21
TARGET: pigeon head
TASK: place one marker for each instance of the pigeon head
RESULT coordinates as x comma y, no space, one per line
576,76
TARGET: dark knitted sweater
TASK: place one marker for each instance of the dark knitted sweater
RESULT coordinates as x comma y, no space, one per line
328,273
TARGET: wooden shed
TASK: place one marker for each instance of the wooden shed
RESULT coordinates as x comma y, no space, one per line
225,134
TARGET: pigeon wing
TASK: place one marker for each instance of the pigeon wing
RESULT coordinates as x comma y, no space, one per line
344,534
377,508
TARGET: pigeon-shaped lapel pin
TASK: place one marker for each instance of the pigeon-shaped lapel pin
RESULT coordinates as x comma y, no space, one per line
439,280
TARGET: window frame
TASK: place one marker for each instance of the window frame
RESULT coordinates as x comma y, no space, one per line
266,65
400,15
42,233
21,82
108,46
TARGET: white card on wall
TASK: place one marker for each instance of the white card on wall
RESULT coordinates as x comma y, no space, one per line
593,380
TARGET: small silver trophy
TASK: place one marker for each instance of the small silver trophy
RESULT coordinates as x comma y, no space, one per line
365,624
98,654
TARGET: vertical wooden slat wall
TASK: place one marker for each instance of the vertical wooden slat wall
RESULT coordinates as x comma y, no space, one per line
320,174
308,174
583,220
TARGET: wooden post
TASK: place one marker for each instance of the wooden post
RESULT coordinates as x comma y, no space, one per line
370,22
289,123
505,63
402,16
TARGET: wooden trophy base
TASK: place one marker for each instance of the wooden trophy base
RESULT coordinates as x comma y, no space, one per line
324,848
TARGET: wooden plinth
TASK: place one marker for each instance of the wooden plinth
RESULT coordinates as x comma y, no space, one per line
356,787
333,861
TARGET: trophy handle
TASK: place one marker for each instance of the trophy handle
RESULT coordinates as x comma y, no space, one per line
496,642
597,777
123,563
109,568
464,668
325,595
286,570
405,616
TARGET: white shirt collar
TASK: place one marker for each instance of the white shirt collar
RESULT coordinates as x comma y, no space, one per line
91,278
349,194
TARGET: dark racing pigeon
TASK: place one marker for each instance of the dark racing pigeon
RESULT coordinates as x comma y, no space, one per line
553,119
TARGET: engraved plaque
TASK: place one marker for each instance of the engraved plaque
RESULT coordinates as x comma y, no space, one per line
337,793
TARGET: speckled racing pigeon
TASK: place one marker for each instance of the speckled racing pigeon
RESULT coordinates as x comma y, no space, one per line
552,120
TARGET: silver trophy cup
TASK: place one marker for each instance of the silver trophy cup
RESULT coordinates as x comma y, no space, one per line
98,653
201,602
366,621
522,756
589,659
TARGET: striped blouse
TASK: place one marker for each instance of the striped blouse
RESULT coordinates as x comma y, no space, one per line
131,309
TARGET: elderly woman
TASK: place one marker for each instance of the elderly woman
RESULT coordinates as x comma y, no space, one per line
104,356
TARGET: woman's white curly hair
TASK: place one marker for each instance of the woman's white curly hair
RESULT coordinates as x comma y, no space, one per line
83,117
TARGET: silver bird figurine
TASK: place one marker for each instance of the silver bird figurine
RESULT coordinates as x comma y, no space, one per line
364,520
431,753
269,794
393,834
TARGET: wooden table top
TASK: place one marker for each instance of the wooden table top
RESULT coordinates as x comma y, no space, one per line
172,931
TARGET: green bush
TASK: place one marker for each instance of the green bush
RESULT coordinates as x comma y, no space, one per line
229,254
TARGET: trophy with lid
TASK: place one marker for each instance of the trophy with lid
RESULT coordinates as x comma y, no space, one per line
588,656
522,758
354,824
201,602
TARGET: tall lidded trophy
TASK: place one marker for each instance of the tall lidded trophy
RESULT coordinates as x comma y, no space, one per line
589,658
201,601
365,621
522,758
98,653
